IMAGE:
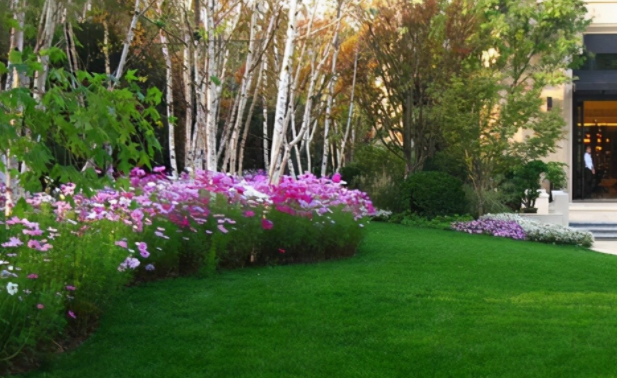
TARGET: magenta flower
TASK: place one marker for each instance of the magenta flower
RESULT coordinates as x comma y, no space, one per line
33,276
222,229
72,314
281,250
336,178
266,224
159,169
40,306
145,254
70,288
249,213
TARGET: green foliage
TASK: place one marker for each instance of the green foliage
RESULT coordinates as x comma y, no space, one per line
433,194
84,258
525,46
55,133
440,222
378,172
527,181
556,175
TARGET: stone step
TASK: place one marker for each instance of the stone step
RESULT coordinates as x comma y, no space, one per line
600,230
593,212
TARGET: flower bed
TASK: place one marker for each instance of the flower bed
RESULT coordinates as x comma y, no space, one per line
546,232
64,258
516,227
494,227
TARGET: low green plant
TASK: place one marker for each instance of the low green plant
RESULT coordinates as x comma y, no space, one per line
441,222
433,194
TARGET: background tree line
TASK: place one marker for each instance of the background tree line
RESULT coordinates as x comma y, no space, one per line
377,90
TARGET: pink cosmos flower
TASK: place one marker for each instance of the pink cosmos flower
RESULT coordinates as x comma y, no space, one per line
249,213
159,169
13,242
336,178
129,263
33,276
40,306
281,250
70,288
72,315
145,254
13,221
122,243
266,224
35,232
34,244
222,229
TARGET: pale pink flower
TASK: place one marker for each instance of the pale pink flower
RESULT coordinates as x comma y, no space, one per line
13,242
121,243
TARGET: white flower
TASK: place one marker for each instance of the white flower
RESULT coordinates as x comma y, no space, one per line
11,288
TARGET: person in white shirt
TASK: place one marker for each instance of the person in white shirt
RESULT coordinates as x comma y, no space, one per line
590,172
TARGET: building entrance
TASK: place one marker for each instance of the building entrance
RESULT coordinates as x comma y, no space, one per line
595,128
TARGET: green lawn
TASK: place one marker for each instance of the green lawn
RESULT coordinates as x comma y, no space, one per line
412,303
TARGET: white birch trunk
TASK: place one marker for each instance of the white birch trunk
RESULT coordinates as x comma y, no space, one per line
341,153
283,94
247,79
106,48
330,100
248,122
16,41
189,98
44,41
264,104
211,121
129,40
169,97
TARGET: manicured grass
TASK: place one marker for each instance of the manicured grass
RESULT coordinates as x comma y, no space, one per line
412,303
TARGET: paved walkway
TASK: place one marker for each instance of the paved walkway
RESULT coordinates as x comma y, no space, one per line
605,247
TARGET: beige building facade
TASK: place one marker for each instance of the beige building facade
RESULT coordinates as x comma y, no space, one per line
589,106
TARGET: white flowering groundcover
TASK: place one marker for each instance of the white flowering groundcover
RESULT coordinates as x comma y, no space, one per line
545,232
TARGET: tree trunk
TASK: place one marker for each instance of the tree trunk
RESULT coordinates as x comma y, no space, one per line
330,100
283,95
341,153
127,43
169,97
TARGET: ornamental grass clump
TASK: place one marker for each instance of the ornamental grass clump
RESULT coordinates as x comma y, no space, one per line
501,228
62,259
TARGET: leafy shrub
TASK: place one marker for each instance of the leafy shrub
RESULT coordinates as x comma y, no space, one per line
377,172
494,227
433,194
546,232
